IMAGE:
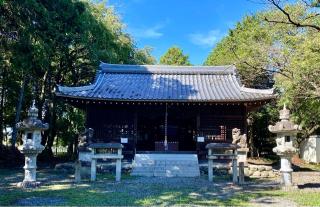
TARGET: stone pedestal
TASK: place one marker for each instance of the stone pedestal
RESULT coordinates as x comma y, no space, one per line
83,165
242,155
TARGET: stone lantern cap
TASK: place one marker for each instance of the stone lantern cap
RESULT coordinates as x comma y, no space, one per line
284,125
224,146
285,150
106,145
32,122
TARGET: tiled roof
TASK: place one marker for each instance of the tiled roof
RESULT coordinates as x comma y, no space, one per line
166,83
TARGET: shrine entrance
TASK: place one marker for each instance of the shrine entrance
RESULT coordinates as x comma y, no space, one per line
179,126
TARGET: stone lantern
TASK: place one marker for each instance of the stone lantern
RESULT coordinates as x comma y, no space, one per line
31,147
286,136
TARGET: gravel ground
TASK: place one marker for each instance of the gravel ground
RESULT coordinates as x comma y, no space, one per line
308,181
272,201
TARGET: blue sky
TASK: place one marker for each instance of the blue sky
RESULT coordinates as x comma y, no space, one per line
193,25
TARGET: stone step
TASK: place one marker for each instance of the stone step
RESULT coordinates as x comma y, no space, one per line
166,165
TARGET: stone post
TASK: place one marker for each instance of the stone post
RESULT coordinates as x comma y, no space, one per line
234,167
210,166
93,169
286,170
241,173
77,174
118,166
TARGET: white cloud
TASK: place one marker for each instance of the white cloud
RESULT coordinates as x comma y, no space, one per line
147,33
206,39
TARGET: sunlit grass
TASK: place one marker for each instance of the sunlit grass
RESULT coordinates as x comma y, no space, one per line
303,198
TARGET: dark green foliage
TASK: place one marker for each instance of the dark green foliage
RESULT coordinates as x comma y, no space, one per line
44,43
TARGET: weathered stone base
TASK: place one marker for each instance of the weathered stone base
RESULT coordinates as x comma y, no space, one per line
28,184
103,167
289,188
166,165
260,171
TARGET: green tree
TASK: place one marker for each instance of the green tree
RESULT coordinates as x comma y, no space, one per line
306,19
174,56
282,43
296,29
246,46
143,56
45,43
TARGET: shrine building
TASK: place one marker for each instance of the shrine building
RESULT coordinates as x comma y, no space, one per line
157,108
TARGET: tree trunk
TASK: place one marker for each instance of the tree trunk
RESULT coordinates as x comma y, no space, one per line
52,112
2,102
52,125
2,113
18,111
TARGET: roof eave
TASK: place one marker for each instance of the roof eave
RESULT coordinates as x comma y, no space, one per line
168,100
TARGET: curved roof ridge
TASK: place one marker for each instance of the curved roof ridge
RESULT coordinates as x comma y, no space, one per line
166,69
268,91
76,88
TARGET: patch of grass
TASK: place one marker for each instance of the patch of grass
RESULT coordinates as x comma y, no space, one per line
304,198
112,176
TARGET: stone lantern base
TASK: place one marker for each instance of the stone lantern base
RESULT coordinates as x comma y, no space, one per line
286,171
28,184
286,154
30,167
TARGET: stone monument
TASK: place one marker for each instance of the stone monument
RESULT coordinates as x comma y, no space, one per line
286,134
31,147
83,163
240,140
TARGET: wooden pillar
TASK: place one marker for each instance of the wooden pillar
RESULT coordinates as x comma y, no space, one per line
198,148
135,133
198,121
166,128
210,166
245,116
